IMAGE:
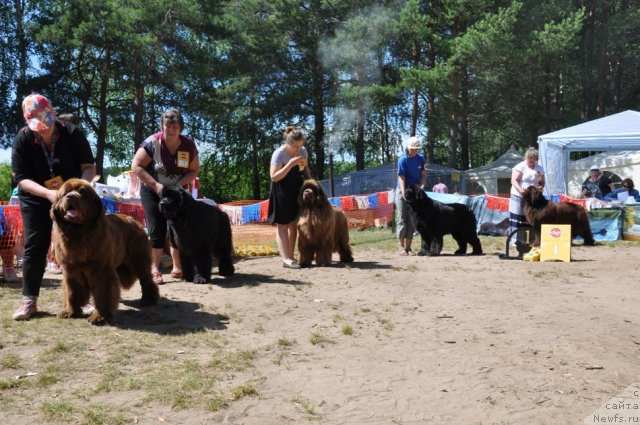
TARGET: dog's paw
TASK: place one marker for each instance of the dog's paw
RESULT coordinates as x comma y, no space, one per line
226,270
97,319
199,280
64,314
148,301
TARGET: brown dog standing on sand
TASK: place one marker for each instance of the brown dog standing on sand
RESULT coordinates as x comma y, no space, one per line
99,254
539,210
322,228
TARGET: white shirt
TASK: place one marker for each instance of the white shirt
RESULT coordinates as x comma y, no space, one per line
528,177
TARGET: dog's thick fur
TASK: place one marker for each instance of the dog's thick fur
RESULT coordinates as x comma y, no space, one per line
322,228
538,210
200,231
99,254
435,219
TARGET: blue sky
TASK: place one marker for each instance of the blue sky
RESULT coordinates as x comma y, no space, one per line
5,155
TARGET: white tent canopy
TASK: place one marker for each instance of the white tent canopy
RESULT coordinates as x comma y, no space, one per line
624,164
618,132
493,178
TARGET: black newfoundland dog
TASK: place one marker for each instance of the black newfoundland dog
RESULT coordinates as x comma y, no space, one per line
200,231
435,219
539,210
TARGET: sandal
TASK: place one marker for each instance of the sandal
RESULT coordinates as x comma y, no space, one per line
157,278
176,274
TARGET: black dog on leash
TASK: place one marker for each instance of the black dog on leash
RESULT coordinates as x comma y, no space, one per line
435,219
201,232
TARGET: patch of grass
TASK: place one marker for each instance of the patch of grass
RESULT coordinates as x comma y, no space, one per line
99,414
307,407
386,323
116,379
303,286
232,360
49,377
181,386
319,338
278,359
373,239
243,391
412,268
284,342
61,410
216,403
337,318
7,384
10,361
347,330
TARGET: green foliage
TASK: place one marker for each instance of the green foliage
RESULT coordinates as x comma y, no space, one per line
470,77
6,180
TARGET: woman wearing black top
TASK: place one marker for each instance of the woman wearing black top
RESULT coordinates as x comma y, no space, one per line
46,152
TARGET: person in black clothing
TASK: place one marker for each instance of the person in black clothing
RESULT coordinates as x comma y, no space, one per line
597,185
289,168
46,152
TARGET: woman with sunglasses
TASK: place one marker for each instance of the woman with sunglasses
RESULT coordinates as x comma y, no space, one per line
627,186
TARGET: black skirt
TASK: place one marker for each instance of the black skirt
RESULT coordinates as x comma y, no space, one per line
283,198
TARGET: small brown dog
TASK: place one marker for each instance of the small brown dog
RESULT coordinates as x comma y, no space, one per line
99,254
539,210
322,228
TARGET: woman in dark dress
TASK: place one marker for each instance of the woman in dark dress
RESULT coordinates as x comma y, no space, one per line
289,168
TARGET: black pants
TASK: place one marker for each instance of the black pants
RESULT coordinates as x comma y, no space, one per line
156,222
37,239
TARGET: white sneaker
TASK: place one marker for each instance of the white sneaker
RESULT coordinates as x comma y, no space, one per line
53,268
87,309
26,310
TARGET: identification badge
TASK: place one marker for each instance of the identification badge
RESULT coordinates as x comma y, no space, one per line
183,159
53,183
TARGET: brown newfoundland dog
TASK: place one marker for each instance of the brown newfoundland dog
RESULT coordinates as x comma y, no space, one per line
322,228
539,210
99,254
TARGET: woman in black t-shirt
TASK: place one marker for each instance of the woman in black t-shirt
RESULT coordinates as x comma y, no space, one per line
46,152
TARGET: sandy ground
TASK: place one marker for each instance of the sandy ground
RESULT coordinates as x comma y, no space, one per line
447,340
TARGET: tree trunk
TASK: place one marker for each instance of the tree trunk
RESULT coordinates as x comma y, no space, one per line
602,64
255,169
454,119
431,108
360,120
415,110
138,108
464,124
101,135
318,115
586,43
23,49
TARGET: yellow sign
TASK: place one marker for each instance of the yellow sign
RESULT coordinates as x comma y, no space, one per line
183,159
555,243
